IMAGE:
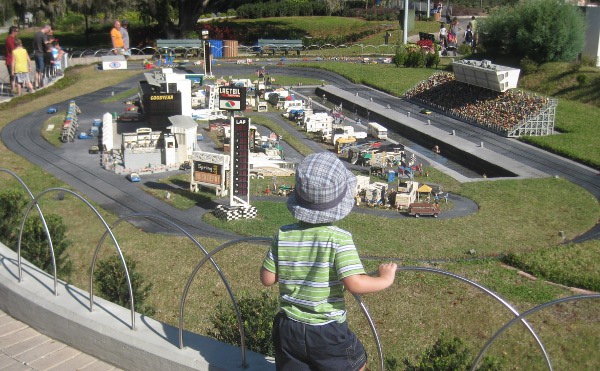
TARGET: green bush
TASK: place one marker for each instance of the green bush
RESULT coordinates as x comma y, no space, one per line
588,61
35,247
449,354
111,282
582,79
257,314
400,57
414,59
543,30
464,49
432,60
528,66
12,206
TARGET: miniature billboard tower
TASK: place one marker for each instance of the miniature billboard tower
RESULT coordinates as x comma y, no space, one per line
233,98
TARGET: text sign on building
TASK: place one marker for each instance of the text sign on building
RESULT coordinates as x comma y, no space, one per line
232,98
241,158
206,172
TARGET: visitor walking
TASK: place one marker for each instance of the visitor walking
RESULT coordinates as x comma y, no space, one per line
9,47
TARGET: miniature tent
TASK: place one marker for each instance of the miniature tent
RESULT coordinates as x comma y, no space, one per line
424,189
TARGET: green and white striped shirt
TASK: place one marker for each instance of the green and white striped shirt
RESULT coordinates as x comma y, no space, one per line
310,262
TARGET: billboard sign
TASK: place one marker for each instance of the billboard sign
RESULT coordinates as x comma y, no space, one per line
232,98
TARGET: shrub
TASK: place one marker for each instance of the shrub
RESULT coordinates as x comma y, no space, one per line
432,60
464,49
582,79
257,314
12,206
111,282
447,354
35,247
414,59
522,30
528,66
588,61
400,57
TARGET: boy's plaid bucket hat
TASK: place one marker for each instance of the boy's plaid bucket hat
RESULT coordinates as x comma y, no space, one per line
324,190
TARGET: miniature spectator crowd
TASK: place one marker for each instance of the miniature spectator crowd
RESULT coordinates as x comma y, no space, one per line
47,57
495,110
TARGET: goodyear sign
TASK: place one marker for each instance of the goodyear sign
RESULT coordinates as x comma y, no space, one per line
232,98
162,97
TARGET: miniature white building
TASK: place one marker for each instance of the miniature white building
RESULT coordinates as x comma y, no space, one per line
184,129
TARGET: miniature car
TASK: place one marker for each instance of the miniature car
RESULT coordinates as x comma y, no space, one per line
425,111
85,136
94,150
185,166
97,122
199,137
129,116
423,208
133,177
52,110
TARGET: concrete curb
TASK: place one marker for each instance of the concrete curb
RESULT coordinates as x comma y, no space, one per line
105,333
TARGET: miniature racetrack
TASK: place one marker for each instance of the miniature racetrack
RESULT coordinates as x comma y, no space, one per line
114,193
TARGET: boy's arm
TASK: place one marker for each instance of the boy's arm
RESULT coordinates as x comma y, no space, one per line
267,278
364,284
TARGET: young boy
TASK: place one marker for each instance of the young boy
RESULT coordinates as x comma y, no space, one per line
314,262
21,67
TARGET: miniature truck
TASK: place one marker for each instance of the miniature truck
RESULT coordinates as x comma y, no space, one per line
423,208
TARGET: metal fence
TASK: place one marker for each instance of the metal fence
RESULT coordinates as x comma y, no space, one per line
518,318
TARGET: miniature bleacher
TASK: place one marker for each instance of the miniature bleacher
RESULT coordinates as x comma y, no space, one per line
273,46
182,47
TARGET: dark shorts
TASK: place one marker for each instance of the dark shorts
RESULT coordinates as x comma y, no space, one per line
299,346
39,63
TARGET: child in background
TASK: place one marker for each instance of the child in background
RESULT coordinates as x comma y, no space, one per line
21,67
314,262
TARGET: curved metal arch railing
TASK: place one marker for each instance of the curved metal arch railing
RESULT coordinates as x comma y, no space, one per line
41,215
235,306
163,220
522,317
46,228
451,275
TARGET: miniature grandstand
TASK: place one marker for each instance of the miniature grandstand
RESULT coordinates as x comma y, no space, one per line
484,94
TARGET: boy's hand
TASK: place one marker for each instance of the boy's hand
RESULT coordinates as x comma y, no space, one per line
387,271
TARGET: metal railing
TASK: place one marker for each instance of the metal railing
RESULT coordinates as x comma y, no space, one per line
252,241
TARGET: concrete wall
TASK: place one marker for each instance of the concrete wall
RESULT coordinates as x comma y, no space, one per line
105,333
592,33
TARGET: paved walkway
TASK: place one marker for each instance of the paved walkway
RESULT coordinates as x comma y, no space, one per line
23,348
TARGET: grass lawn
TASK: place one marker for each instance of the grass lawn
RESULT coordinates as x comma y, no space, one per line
515,217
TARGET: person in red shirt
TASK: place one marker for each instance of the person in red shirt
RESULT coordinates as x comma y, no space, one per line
10,46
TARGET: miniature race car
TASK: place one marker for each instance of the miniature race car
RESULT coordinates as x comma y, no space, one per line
425,111
97,122
52,110
133,177
85,136
94,150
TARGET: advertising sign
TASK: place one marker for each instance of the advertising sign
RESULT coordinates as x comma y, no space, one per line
232,98
206,172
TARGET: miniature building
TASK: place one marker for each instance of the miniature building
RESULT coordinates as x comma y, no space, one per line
184,129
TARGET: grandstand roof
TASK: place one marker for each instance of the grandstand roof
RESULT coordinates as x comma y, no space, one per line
485,74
